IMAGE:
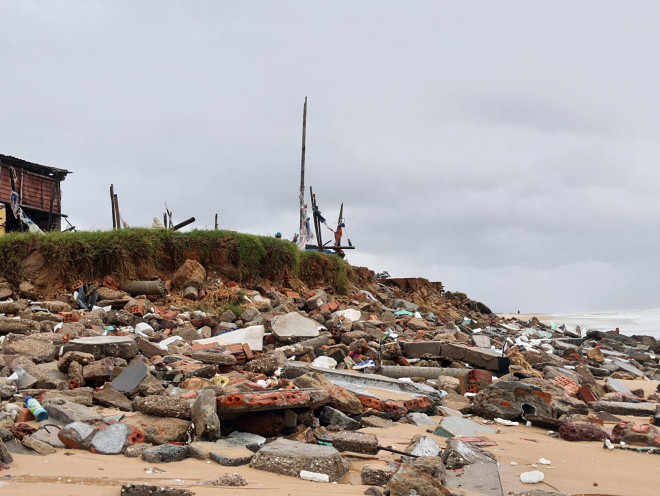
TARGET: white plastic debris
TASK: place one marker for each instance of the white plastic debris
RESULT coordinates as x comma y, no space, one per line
533,477
608,444
544,461
166,342
351,314
314,476
513,464
502,421
144,329
325,362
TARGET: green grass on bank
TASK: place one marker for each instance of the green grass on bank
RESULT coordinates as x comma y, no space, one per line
130,253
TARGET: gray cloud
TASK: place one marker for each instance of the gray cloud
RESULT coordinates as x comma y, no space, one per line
506,149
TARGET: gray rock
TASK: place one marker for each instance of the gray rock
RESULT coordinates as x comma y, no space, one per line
204,415
165,453
163,406
111,440
5,434
377,475
67,412
222,359
250,314
114,399
136,450
505,399
332,416
37,346
104,346
357,442
146,490
232,457
77,435
290,457
159,430
48,436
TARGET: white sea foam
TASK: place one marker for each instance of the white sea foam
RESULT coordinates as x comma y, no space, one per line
629,322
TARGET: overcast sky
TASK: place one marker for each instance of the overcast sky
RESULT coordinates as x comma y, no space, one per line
506,148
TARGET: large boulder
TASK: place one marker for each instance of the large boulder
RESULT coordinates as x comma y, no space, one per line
342,400
291,457
160,430
505,399
39,346
190,274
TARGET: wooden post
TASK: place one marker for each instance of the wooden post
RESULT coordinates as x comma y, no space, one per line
317,223
112,203
302,165
117,216
49,227
216,222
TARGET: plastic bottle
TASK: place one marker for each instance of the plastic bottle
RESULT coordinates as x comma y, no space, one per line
37,410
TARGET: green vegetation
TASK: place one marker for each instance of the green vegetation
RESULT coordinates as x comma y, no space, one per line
136,253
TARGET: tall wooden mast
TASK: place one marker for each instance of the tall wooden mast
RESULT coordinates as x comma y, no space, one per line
302,166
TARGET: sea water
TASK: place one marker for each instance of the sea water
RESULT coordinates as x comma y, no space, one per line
629,322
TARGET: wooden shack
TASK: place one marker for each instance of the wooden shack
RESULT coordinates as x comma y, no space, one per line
39,194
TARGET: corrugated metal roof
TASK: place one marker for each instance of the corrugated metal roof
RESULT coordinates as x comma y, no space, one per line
30,166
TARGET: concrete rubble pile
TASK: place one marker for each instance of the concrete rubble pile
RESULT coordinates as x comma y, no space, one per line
284,380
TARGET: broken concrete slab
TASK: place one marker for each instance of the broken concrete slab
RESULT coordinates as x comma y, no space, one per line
620,408
113,399
253,336
130,378
165,453
617,386
481,341
479,474
461,427
377,475
380,388
477,357
357,442
231,456
331,416
415,349
163,406
290,457
159,430
294,325
220,359
67,412
38,446
104,346
623,365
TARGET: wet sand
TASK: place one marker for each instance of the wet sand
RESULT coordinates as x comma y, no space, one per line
577,467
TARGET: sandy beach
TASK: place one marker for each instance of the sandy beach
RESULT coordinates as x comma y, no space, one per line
577,468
